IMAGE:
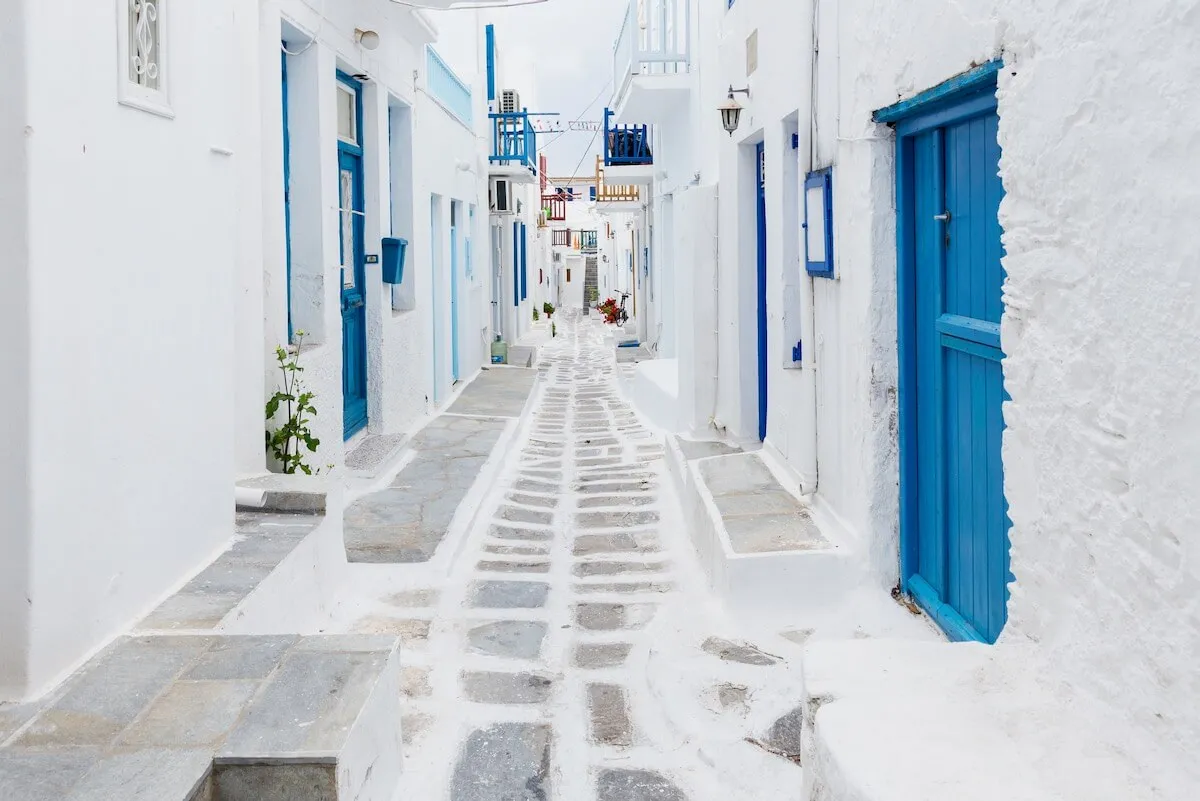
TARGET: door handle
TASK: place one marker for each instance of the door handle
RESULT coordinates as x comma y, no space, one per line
943,217
354,304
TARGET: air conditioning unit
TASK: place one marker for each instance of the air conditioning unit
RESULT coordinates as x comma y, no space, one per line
500,199
510,101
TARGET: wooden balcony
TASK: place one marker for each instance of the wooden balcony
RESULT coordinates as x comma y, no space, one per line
561,237
613,193
555,206
588,241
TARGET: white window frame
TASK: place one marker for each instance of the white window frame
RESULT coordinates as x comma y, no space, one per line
129,92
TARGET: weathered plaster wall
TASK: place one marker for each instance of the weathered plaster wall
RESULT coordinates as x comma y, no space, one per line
128,445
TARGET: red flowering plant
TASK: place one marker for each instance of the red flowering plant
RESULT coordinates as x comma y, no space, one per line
610,309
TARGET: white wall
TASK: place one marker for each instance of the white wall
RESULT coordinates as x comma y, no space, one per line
125,272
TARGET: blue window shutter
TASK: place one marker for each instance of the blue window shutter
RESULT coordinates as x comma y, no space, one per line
524,264
819,265
516,264
490,38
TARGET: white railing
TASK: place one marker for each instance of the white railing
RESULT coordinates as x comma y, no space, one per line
653,40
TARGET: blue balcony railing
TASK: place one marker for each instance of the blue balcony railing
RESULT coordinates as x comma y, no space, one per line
514,141
587,241
625,145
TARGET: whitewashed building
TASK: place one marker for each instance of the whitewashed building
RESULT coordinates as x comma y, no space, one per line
948,293
204,182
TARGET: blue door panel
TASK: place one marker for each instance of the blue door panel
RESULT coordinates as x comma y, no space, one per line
454,372
351,248
960,565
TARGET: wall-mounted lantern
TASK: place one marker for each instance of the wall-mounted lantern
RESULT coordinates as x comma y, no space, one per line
368,39
731,110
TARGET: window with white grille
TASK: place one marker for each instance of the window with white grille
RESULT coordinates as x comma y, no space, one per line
142,44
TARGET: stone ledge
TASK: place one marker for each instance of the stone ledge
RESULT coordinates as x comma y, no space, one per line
276,492
217,718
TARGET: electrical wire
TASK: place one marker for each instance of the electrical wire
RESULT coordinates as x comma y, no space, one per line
471,7
316,34
603,88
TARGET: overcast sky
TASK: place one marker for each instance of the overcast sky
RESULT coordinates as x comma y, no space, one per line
562,51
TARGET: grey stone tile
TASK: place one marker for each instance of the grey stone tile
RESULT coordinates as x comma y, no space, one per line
190,611
227,577
413,725
14,716
596,655
609,715
775,502
533,500
534,485
732,696
623,588
525,566
190,714
587,569
509,594
295,782
113,690
768,533
700,449
737,474
517,550
611,617
360,643
504,762
151,774
520,533
617,501
784,734
636,785
373,451
507,688
606,487
738,652
588,544
248,657
309,705
518,514
516,639
43,775
407,629
615,519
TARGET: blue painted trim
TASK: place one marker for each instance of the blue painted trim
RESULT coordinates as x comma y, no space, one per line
287,198
978,78
970,329
489,34
626,144
516,265
524,262
822,178
356,85
906,335
514,140
956,628
451,92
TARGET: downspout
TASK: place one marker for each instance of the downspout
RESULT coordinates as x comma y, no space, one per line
807,462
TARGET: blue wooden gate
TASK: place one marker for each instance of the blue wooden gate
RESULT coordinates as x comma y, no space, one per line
761,283
954,526
351,211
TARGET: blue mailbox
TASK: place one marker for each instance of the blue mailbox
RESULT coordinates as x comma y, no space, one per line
393,252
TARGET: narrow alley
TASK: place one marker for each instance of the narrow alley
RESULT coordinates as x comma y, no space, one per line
573,651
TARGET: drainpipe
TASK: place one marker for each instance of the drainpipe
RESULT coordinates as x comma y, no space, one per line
806,464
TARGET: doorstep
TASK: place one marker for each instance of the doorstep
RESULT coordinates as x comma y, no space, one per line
757,541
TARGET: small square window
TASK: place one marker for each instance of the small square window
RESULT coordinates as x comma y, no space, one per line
818,223
142,45
347,114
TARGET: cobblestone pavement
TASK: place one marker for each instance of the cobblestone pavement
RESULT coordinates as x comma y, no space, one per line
543,667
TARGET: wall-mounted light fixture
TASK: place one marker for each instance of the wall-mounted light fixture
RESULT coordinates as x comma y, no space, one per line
731,110
369,40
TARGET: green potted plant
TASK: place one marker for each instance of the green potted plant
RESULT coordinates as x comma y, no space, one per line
548,309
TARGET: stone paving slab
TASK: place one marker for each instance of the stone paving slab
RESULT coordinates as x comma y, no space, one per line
407,522
505,762
759,515
500,392
263,541
147,718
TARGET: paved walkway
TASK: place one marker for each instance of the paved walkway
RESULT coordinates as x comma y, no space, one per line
571,653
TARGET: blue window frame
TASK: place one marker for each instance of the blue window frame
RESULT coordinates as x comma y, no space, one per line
524,263
818,223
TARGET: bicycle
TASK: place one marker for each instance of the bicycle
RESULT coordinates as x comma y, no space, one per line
622,315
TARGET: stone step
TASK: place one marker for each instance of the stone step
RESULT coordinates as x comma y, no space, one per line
757,540
217,718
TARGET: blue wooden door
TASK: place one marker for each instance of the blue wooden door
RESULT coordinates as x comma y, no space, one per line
959,563
761,284
351,211
454,291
